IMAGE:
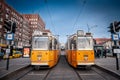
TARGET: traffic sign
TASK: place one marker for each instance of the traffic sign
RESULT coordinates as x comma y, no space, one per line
9,36
116,51
7,51
119,35
115,37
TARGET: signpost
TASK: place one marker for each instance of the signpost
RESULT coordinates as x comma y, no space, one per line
114,28
117,51
7,56
10,36
10,26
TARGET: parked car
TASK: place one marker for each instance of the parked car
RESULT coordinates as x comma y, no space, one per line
17,54
6,56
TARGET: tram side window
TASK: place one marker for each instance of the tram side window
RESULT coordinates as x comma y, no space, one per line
73,45
74,42
50,45
70,45
55,44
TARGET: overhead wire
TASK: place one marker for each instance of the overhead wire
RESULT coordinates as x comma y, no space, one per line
80,11
50,16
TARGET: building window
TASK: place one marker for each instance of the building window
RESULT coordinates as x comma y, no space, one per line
0,5
6,16
1,19
35,26
7,10
0,26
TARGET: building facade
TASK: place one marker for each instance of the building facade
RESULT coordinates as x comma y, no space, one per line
26,25
36,22
23,32
2,30
105,42
26,33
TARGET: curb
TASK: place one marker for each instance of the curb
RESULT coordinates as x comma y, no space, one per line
112,73
9,74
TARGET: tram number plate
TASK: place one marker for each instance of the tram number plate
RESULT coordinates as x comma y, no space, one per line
39,55
85,55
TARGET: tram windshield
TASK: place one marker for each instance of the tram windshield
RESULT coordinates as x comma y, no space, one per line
40,43
85,43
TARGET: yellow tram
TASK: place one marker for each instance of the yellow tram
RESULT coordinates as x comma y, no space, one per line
79,49
45,51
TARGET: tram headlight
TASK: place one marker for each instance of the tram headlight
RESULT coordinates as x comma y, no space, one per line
46,53
32,53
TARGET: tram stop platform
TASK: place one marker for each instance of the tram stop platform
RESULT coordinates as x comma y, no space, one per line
14,65
108,64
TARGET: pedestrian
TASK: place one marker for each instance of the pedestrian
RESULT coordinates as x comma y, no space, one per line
104,52
95,50
1,54
98,53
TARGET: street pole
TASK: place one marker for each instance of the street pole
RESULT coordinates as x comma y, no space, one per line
117,64
115,43
89,28
9,51
116,55
8,54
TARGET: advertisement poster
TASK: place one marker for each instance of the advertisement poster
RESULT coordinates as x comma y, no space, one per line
26,52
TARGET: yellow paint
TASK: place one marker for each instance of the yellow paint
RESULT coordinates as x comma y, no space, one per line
3,45
82,53
80,56
40,56
46,56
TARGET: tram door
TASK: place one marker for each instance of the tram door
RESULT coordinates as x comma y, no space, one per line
73,54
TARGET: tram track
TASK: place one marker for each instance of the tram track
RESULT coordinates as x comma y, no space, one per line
105,74
28,73
17,73
77,74
24,74
40,74
94,74
62,71
47,74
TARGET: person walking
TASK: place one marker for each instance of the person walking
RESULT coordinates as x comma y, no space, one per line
98,53
104,52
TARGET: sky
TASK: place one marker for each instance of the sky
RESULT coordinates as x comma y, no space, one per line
65,17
